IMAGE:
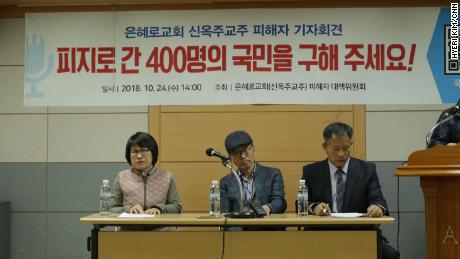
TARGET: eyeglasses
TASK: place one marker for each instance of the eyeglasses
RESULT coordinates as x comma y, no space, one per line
243,151
142,151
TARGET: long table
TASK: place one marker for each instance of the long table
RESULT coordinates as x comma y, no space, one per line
200,236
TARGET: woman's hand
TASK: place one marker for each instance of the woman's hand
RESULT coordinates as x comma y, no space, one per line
153,211
136,209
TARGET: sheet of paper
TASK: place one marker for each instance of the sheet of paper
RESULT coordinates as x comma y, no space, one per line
130,215
347,215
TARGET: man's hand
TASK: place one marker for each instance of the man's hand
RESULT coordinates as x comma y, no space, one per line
153,211
374,211
136,209
322,209
267,209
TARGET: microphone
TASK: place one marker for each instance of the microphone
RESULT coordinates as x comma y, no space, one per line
212,152
234,214
445,116
452,110
147,174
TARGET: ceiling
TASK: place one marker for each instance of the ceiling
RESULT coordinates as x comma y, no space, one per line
93,2
18,8
156,2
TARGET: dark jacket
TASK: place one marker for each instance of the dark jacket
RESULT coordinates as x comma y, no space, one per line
362,187
268,185
447,132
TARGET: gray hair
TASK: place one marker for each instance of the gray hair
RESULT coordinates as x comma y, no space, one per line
337,129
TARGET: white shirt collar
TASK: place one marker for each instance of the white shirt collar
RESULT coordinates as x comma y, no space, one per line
333,168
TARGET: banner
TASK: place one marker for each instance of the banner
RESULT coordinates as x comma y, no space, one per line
248,56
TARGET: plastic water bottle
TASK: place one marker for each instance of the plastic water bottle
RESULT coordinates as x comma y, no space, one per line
104,198
302,199
214,199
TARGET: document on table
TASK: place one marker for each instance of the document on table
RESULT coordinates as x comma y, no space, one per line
131,215
347,215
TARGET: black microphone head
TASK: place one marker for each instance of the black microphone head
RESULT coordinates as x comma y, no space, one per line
209,151
452,110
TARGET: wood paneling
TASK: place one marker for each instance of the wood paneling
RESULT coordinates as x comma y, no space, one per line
359,131
442,211
170,245
441,155
256,108
154,122
277,136
285,136
218,3
292,172
193,181
238,244
298,244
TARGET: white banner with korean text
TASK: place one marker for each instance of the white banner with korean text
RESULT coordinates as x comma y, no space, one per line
248,56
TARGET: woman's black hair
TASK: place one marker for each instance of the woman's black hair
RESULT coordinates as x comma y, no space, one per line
143,140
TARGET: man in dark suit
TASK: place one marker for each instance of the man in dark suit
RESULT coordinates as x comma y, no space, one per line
448,132
258,182
341,183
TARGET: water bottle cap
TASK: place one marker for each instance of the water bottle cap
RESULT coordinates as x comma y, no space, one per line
105,182
215,182
302,181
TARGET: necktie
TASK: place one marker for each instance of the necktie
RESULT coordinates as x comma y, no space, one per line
340,189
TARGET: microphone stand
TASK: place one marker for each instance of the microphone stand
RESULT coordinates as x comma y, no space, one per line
226,164
430,133
241,213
